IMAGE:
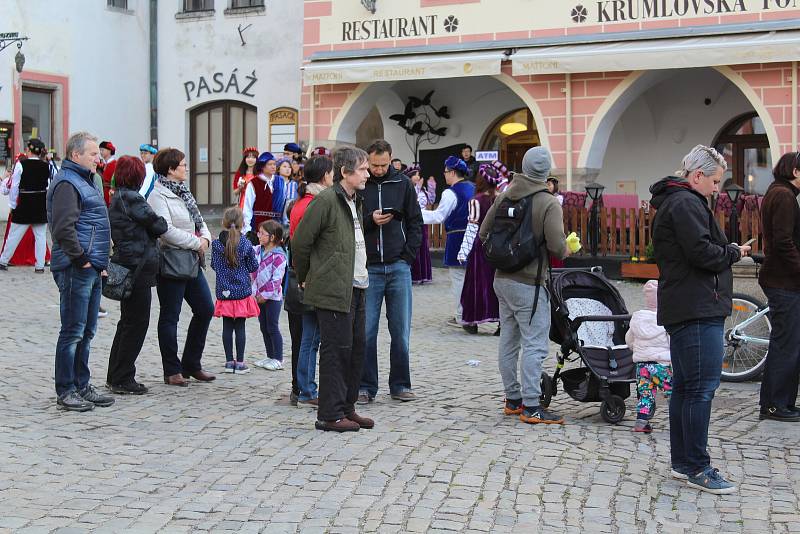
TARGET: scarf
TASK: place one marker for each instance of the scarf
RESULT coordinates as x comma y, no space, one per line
180,189
314,189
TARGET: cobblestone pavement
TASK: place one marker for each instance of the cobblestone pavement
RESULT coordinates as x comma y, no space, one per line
233,455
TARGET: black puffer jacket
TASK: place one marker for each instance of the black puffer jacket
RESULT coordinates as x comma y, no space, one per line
134,230
397,239
693,255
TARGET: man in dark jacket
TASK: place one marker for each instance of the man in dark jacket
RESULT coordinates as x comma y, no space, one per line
780,280
331,263
472,164
393,233
78,218
694,297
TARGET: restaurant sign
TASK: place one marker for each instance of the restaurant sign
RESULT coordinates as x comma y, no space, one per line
399,20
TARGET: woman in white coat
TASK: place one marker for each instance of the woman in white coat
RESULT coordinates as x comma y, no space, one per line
187,230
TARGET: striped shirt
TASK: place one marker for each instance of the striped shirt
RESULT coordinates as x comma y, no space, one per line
268,279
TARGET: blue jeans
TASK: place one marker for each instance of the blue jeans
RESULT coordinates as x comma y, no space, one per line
79,291
307,362
171,294
696,349
782,368
269,320
393,282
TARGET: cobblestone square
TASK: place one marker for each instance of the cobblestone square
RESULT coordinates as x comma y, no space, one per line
233,455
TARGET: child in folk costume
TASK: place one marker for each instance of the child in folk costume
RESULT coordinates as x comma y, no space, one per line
268,287
453,211
477,297
264,197
421,271
245,173
502,170
233,259
650,345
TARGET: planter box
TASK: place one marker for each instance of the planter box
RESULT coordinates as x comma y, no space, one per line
646,271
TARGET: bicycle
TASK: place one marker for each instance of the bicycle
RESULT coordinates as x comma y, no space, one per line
747,332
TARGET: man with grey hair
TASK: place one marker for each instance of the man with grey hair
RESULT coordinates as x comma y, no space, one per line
330,258
694,296
78,219
524,302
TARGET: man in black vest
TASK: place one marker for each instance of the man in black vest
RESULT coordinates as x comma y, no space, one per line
27,200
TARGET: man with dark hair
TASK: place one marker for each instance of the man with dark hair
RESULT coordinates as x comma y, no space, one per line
397,163
393,233
472,164
81,233
108,154
331,263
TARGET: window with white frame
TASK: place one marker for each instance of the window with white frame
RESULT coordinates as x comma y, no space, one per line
198,5
238,4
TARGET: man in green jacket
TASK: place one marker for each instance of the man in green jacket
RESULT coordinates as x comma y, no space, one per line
330,259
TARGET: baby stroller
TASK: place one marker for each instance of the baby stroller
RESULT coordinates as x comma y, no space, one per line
589,318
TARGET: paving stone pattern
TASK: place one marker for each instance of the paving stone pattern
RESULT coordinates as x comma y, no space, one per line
233,455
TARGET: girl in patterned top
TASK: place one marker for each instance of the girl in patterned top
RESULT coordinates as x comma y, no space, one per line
233,259
267,286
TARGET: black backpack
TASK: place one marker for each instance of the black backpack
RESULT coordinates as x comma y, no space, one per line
511,244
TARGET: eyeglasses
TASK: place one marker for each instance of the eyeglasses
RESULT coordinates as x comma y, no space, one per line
183,165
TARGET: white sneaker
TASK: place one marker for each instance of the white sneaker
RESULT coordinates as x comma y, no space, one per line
261,363
102,313
273,365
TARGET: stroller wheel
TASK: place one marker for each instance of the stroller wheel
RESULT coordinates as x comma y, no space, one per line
548,390
612,410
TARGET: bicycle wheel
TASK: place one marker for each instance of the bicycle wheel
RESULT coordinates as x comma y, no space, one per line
744,359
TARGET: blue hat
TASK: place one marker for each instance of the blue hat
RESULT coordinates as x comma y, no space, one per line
265,157
279,162
292,147
456,164
148,148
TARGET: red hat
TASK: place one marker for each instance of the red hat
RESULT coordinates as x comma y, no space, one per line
110,146
250,149
321,151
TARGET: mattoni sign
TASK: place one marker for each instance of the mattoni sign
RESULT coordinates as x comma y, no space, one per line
399,20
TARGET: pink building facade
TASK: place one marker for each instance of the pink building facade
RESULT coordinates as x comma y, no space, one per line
618,90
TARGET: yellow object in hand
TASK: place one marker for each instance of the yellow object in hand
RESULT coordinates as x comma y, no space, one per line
573,242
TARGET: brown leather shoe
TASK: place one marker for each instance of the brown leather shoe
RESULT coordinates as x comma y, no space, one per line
201,375
342,425
176,380
362,422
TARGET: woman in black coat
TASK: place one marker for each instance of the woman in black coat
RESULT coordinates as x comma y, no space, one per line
135,228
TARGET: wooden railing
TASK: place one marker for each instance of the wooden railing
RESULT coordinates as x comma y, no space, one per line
625,232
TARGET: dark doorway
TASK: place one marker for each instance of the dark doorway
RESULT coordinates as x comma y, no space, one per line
431,162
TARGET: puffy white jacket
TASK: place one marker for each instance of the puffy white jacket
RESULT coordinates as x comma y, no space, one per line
648,341
181,232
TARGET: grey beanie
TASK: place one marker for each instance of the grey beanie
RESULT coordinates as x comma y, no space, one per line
536,163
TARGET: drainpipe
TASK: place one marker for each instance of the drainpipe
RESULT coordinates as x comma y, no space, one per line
311,121
794,105
568,96
154,72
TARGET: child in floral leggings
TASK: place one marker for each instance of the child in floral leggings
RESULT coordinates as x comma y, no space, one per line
650,345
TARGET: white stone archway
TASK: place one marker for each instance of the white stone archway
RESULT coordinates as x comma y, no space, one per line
635,85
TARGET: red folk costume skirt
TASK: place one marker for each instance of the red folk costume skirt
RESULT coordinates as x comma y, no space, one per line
26,250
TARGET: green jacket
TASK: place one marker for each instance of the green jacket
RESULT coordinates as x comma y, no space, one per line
324,250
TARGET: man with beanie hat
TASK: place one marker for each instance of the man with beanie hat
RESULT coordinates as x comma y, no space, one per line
524,310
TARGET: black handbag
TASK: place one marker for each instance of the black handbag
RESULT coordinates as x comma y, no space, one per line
293,295
120,281
179,264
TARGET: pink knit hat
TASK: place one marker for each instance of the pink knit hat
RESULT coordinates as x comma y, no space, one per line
651,295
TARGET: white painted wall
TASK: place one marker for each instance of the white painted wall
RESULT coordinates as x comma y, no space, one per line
195,47
103,52
661,126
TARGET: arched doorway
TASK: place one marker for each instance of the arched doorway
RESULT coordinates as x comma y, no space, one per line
512,135
218,131
744,143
